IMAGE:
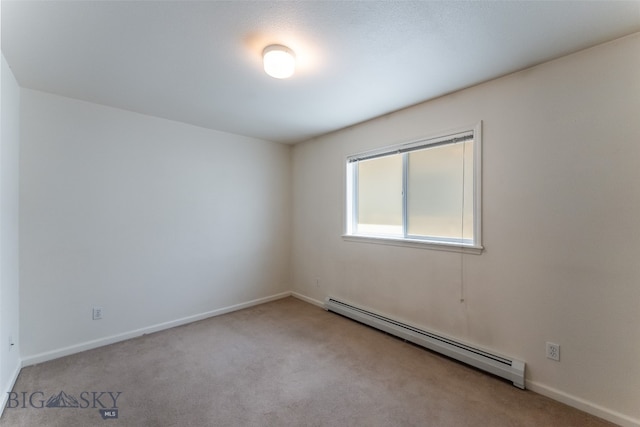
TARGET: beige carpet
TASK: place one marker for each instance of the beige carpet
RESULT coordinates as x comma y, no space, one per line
285,363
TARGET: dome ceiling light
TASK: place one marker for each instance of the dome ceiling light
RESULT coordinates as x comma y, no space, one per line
279,61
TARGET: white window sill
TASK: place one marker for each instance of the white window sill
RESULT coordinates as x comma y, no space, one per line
414,243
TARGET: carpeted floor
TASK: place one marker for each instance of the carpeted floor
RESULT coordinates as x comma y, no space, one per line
285,363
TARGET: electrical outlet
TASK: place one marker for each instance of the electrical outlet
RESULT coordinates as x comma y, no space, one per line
553,351
97,313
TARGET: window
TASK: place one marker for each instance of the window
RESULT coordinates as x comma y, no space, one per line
424,193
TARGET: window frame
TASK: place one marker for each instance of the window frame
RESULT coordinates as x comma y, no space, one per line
351,184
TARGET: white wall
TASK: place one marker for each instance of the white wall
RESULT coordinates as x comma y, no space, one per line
9,241
561,212
152,220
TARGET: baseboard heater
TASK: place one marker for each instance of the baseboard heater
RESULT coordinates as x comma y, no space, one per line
510,369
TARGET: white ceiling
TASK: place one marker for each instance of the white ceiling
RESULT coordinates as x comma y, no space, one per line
200,62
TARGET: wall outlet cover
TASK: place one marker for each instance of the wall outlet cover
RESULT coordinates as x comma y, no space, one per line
553,351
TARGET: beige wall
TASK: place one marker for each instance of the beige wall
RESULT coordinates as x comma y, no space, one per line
9,239
151,219
561,212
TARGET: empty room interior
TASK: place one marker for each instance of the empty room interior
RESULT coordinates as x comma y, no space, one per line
427,214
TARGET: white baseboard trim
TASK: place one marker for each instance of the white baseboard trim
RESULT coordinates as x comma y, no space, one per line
307,299
89,345
9,386
560,396
583,405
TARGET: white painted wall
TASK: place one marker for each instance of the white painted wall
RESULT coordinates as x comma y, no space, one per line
561,200
9,239
152,220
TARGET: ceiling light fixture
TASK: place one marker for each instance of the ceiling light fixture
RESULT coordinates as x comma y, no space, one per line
279,61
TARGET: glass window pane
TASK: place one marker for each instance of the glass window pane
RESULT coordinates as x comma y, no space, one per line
469,188
380,195
435,191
